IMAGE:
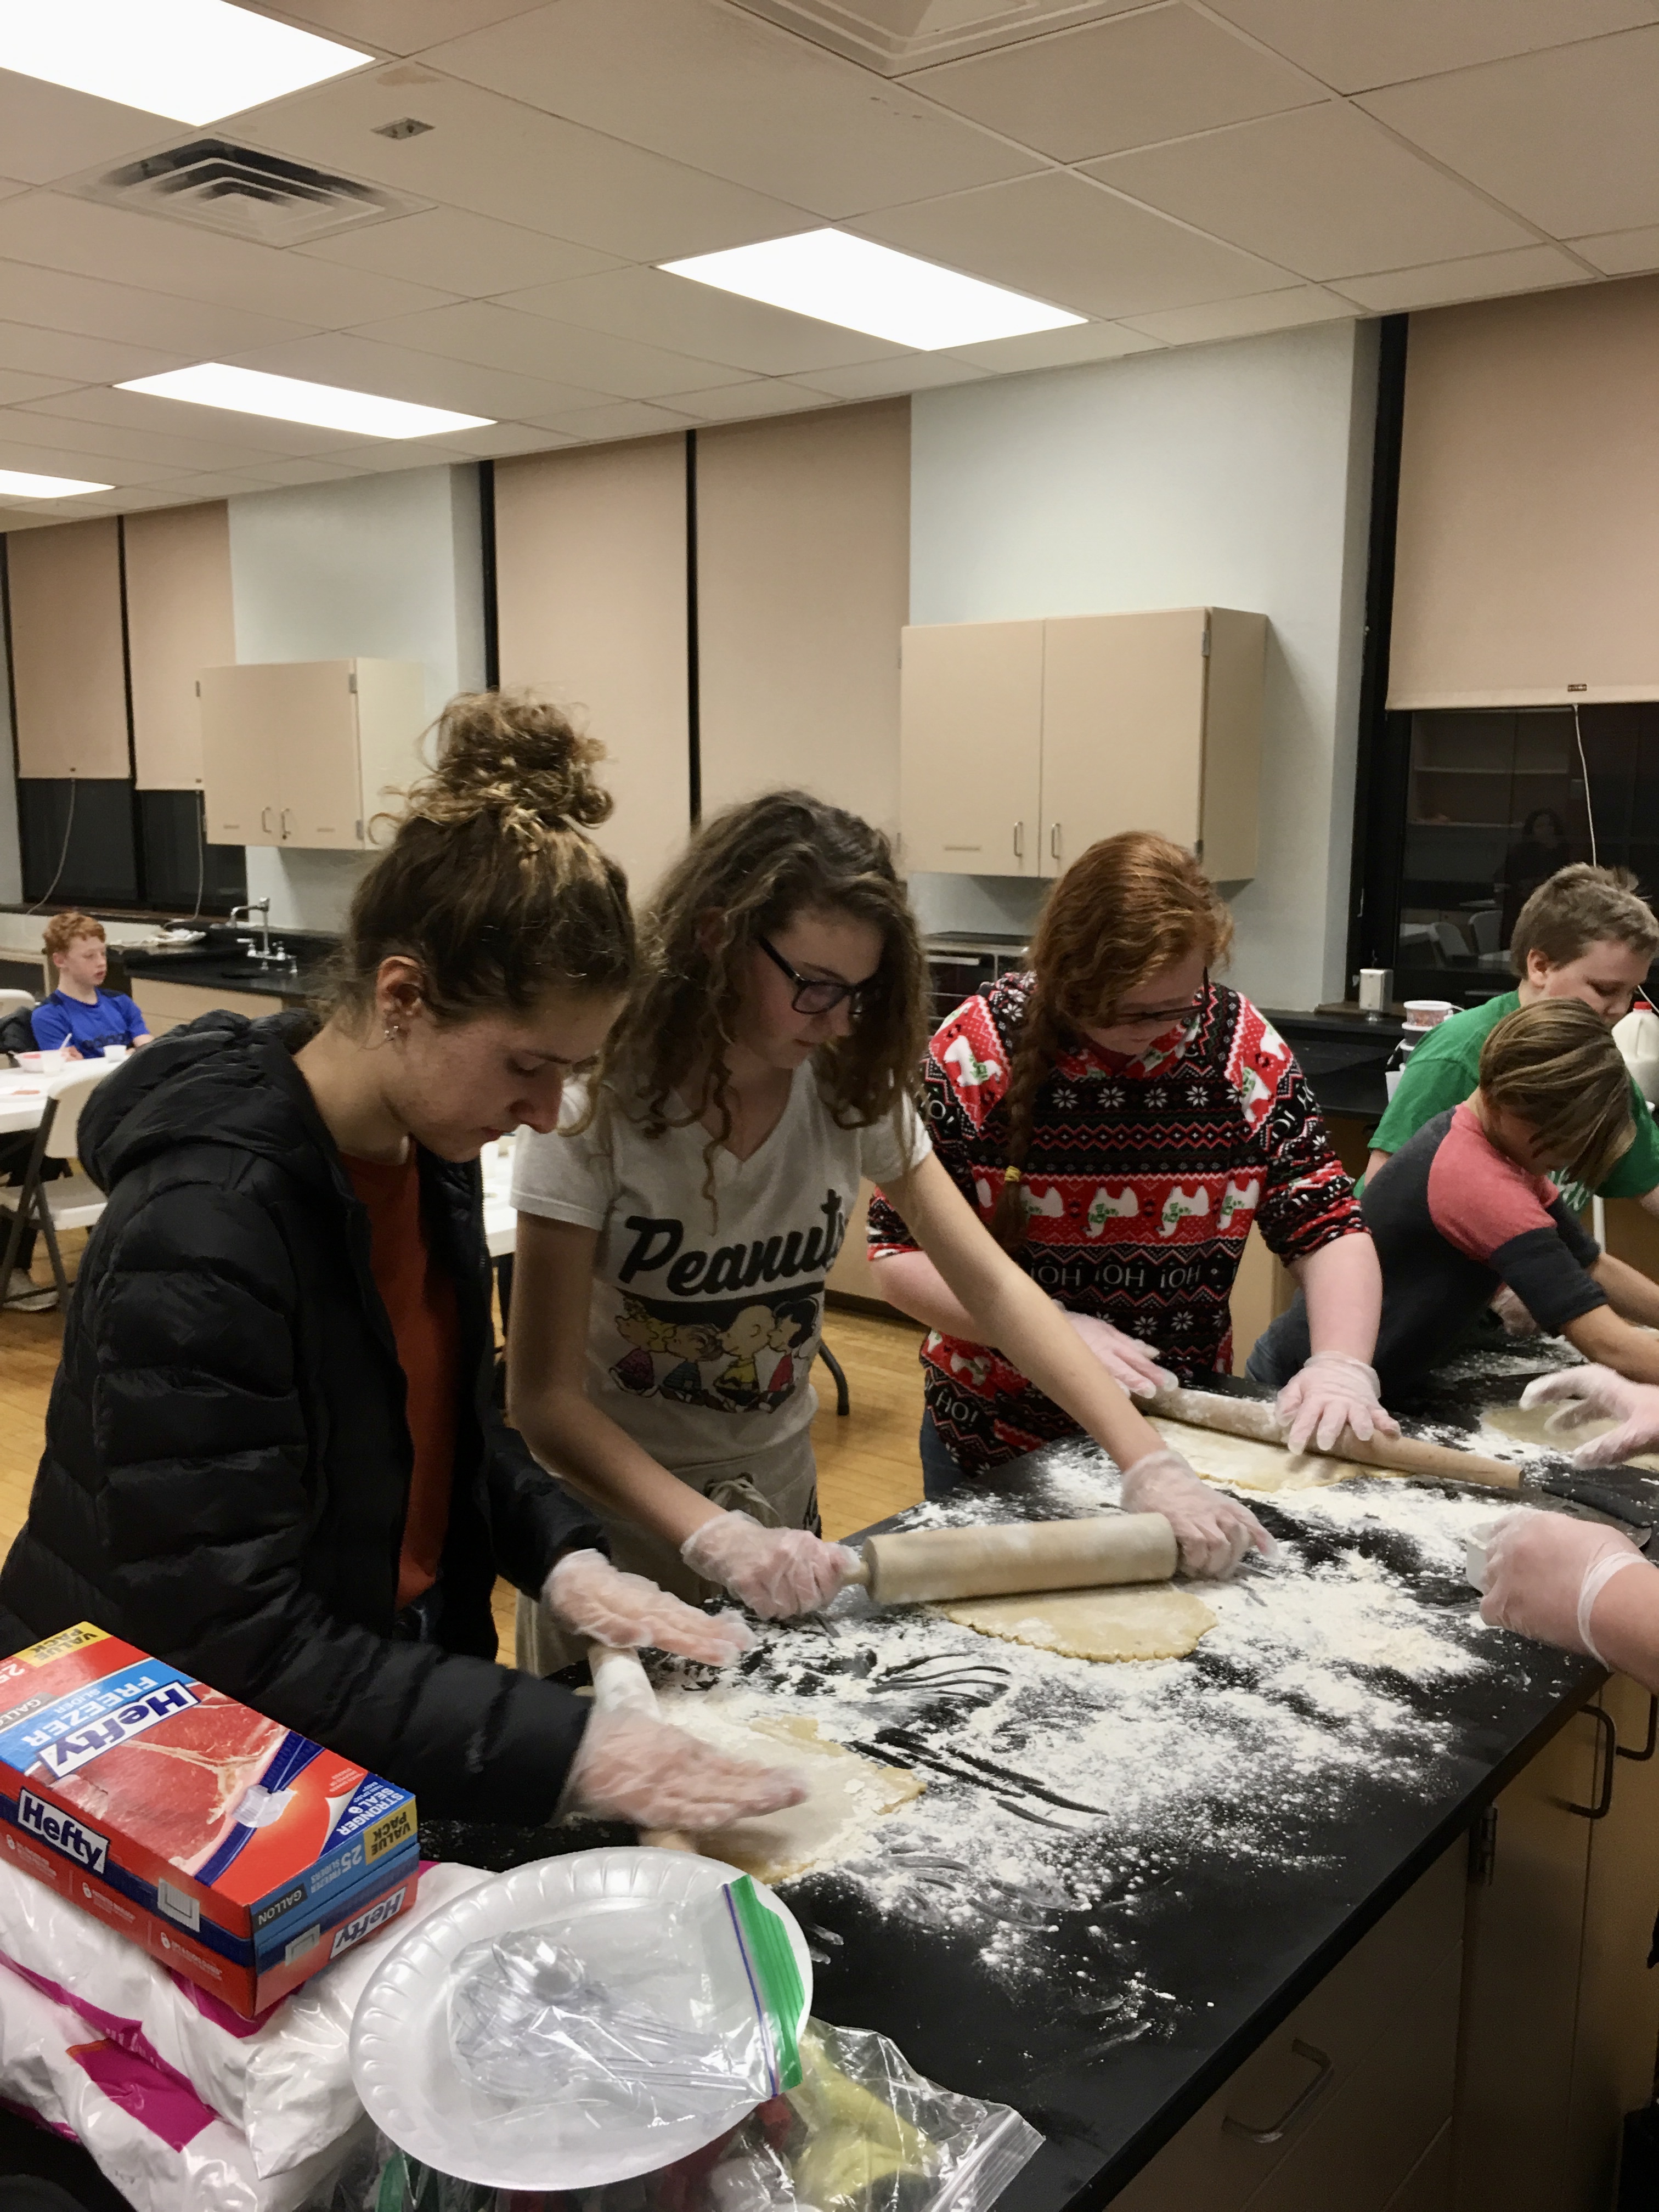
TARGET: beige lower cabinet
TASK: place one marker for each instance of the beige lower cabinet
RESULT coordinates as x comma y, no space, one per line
1343,2103
165,1006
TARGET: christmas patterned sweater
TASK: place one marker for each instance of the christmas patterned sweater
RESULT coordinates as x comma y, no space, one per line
1142,1180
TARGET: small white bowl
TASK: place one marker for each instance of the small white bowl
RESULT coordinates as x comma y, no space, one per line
41,1063
1428,1013
115,1051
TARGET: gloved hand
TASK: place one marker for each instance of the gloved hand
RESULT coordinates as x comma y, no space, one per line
1331,1391
1213,1530
1125,1358
1587,1394
775,1571
629,1767
1516,1320
1545,1572
589,1597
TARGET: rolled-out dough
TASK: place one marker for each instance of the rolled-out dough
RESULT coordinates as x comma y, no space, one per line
1148,1620
1250,1465
844,1790
1527,1424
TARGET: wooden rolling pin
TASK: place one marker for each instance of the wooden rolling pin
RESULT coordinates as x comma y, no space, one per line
622,1685
1411,1455
914,1566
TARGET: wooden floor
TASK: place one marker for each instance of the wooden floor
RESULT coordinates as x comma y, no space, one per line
867,1462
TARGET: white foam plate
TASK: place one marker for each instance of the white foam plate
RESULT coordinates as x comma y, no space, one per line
400,2060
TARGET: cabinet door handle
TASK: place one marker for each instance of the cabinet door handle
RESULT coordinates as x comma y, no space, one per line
1020,841
1652,1743
287,832
265,820
1607,1737
1298,2104
1054,843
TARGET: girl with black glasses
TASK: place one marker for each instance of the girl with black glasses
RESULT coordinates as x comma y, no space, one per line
675,1233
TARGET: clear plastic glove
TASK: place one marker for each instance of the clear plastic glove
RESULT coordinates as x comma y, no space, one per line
1591,1394
775,1571
1331,1391
590,1597
628,1767
1125,1358
1545,1572
1516,1320
1213,1530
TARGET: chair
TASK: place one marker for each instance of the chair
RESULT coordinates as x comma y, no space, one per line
13,1001
72,1201
1487,927
16,1033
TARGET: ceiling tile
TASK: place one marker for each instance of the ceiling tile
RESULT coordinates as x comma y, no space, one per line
500,158
1056,236
223,484
1481,277
770,110
650,305
67,429
141,413
1622,252
745,403
884,379
478,330
27,453
17,385
470,255
430,380
303,471
1567,138
1244,318
626,418
1130,81
48,131
28,515
69,360
1354,47
1079,342
402,26
185,330
55,231
1322,191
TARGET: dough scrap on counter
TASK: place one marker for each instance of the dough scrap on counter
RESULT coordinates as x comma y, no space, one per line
1143,1620
845,1791
1526,1424
1251,1465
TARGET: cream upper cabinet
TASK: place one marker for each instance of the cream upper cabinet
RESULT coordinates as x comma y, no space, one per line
1079,727
307,752
970,721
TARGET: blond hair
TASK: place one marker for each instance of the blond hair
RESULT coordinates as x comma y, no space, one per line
1578,907
1555,1064
61,932
491,884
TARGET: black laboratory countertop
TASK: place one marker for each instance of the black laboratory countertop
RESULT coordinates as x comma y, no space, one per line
221,964
1344,1057
1102,1947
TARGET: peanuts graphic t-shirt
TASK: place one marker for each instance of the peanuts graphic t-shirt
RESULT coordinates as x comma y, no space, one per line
705,1321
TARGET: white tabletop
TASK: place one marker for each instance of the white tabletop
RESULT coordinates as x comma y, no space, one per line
23,1094
500,1219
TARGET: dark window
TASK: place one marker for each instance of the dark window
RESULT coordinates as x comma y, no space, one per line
78,832
182,872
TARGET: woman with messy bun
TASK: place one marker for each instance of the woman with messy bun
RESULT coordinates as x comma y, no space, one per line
272,1456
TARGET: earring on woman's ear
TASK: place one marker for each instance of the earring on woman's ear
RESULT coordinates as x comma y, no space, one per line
394,1035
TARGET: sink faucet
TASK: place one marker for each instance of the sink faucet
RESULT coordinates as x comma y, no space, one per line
262,907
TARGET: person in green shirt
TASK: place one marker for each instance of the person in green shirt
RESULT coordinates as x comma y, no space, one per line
1583,934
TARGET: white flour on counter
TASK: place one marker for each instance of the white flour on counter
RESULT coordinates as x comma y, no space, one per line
1062,1786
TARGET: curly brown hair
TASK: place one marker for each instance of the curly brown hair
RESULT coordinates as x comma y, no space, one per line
1126,909
491,883
744,875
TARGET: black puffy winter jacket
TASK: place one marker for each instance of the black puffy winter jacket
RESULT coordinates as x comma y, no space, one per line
228,1461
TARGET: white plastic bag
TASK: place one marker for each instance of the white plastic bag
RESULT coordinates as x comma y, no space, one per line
159,2145
282,2083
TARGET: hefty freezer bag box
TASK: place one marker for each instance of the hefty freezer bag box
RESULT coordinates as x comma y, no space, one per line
240,1854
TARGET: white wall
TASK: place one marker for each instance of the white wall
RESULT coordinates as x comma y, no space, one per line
1235,475
388,566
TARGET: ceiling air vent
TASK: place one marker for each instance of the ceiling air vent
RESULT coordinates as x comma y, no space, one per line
896,35
246,192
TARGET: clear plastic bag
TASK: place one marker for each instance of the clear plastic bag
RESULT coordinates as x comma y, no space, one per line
861,2131
640,2017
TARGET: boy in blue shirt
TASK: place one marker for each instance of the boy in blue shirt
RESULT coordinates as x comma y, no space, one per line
79,1016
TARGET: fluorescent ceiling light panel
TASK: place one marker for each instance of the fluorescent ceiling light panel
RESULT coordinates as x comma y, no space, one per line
837,278
15,483
292,400
194,60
